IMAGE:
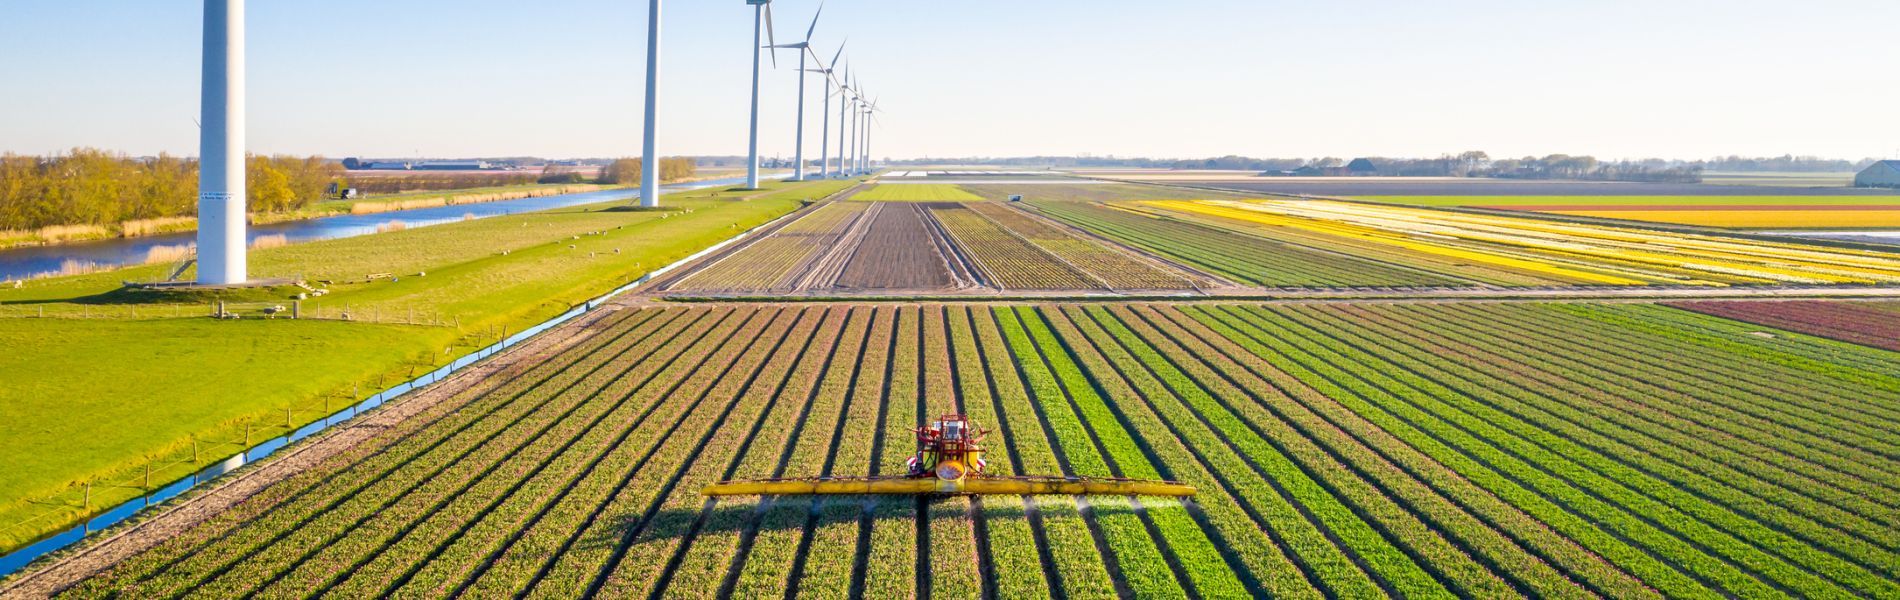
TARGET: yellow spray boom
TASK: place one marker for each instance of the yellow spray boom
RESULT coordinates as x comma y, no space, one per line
949,461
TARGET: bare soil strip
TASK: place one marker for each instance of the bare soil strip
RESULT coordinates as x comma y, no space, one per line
891,257
823,273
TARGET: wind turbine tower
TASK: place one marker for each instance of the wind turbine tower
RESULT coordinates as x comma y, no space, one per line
761,22
844,103
851,168
221,206
649,149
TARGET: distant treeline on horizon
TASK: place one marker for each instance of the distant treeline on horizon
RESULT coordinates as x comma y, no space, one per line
88,186
1467,163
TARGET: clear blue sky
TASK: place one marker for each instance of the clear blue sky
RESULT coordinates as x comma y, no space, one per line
1614,78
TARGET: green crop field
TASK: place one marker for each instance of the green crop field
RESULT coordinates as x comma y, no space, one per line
916,192
1421,450
102,383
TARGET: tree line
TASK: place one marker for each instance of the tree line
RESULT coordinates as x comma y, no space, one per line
94,187
628,171
1466,164
88,186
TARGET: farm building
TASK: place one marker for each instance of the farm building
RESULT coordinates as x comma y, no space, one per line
1885,174
455,165
1361,167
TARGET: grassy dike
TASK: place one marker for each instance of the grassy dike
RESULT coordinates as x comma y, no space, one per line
102,383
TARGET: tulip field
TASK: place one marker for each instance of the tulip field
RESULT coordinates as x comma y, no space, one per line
1421,449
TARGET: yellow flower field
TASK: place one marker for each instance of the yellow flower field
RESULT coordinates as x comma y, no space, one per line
1583,253
1752,219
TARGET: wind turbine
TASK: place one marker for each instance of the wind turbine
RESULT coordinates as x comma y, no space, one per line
221,202
761,21
870,118
824,135
804,51
863,126
857,129
649,153
844,104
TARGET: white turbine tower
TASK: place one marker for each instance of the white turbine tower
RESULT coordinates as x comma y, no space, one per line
857,97
804,51
221,206
761,21
649,149
824,135
863,130
870,118
844,105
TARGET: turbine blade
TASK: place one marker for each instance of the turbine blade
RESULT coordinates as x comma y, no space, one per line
840,54
814,21
771,39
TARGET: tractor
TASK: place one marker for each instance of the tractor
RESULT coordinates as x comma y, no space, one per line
949,462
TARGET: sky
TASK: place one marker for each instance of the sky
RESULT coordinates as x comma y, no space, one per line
1185,78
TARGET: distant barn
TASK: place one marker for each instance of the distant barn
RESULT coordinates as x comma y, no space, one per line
1884,174
1361,167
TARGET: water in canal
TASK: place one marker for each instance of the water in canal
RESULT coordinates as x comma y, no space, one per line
34,261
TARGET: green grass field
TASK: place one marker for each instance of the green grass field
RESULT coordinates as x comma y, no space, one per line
1631,200
108,382
917,192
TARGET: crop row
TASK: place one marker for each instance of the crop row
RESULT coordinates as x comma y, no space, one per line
1119,270
1011,262
341,500
394,449
1849,322
1587,253
1716,545
1560,401
777,260
1237,256
1418,450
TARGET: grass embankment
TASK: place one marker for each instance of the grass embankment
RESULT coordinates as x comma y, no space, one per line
917,192
108,382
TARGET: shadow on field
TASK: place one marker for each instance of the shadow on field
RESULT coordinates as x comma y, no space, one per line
126,296
738,515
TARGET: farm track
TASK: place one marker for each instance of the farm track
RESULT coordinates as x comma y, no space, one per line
1347,449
